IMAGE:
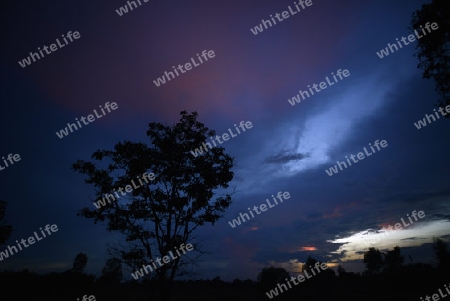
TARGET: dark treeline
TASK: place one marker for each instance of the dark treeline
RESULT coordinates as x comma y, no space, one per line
386,277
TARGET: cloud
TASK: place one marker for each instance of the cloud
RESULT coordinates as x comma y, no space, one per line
356,244
308,249
332,118
331,126
285,158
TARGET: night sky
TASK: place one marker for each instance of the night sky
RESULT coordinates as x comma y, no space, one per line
250,78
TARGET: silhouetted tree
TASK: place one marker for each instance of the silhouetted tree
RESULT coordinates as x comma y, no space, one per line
268,278
441,254
345,276
433,49
324,275
168,209
237,283
341,271
112,271
216,282
5,230
393,260
309,264
79,263
373,260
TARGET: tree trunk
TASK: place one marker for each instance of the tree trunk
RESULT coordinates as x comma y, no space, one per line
165,289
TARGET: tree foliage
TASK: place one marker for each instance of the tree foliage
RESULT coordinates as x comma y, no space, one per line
309,264
5,230
163,213
373,260
393,260
112,271
269,277
441,254
341,271
433,49
79,263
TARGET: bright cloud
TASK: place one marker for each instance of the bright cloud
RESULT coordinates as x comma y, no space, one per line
407,237
328,129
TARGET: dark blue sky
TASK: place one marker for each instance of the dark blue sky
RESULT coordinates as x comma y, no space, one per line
250,78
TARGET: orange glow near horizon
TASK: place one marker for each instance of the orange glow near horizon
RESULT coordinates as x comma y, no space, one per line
308,249
304,249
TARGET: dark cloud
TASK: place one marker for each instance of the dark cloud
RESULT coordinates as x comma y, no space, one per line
285,158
